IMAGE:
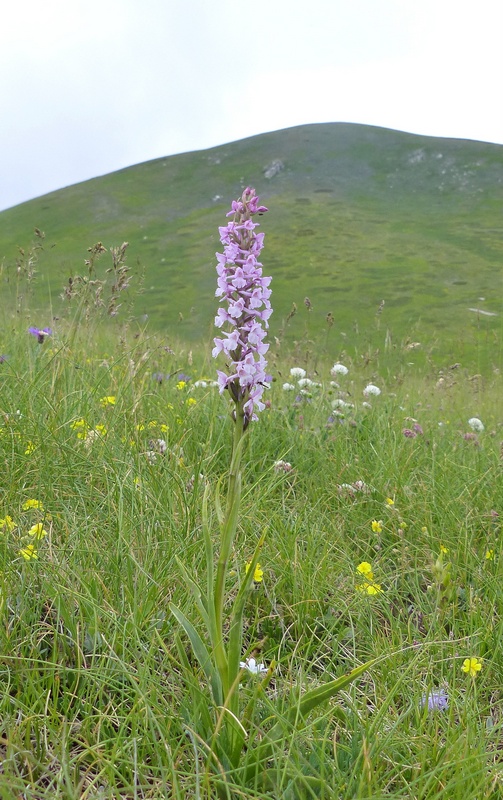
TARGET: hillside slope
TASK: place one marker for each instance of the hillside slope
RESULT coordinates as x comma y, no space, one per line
358,215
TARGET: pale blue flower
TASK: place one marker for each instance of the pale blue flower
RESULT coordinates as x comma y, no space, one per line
435,700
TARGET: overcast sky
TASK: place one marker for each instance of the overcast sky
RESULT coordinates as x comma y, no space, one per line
90,86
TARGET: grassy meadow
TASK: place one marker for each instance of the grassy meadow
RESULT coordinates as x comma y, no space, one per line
106,445
376,484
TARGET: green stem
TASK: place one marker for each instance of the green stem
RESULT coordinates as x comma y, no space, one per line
228,533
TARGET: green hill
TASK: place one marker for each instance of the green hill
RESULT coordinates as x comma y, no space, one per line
358,215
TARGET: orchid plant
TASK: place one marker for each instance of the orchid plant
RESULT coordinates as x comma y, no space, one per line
243,319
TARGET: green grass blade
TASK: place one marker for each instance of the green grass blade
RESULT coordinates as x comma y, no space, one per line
202,654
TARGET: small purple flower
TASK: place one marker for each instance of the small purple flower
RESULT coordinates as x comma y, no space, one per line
418,429
40,333
3,359
247,309
409,434
435,700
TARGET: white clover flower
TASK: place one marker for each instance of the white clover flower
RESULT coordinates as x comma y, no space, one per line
288,387
476,425
252,666
201,384
334,385
340,403
298,372
345,487
371,389
94,435
339,369
351,488
304,383
366,405
282,466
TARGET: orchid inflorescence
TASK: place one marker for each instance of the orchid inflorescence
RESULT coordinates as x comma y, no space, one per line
219,639
246,293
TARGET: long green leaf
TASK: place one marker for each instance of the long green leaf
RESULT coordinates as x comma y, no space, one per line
218,505
295,715
317,696
208,546
202,654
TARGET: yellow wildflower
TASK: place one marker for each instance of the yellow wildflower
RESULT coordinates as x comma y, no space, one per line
365,569
29,552
489,554
37,531
108,401
30,447
163,428
390,501
191,401
81,426
373,588
32,504
101,429
258,575
377,526
472,665
181,385
368,587
444,550
7,523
